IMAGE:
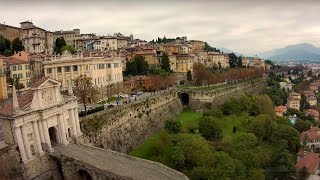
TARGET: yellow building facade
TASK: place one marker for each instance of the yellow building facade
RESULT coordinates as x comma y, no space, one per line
3,81
104,71
19,69
184,63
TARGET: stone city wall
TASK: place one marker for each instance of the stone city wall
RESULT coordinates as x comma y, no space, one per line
202,99
125,127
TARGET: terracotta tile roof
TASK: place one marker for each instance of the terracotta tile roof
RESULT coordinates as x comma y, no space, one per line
6,108
313,113
291,98
311,98
13,61
312,134
145,53
295,94
38,82
280,108
310,160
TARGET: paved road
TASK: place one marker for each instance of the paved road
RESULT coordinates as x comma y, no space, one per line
118,163
140,97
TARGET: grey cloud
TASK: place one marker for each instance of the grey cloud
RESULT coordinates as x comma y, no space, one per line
246,26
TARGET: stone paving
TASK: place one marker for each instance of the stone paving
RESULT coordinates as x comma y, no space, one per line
118,163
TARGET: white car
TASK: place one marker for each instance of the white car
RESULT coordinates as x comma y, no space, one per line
124,95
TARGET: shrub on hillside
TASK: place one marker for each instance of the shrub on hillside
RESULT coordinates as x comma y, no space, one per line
173,126
209,128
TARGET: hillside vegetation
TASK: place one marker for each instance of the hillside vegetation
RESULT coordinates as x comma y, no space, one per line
241,139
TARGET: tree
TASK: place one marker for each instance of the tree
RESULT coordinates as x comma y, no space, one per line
5,46
17,45
303,173
207,47
7,43
142,65
138,66
244,140
173,126
2,44
131,68
16,83
190,150
60,42
7,52
69,48
189,75
165,63
85,90
302,125
233,60
209,128
222,167
201,74
239,63
263,127
281,167
310,73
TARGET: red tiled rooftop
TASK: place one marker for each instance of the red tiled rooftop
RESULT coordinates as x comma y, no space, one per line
310,160
280,108
313,113
38,82
312,134
13,61
6,108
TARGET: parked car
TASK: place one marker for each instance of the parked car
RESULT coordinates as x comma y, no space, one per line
124,95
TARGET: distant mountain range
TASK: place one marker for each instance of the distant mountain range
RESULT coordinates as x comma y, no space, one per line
225,50
298,52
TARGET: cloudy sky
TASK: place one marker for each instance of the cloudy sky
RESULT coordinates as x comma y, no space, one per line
245,26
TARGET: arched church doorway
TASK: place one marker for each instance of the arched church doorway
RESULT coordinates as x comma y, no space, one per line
184,98
84,175
53,135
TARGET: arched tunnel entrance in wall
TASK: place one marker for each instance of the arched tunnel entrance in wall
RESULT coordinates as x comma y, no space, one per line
84,175
184,98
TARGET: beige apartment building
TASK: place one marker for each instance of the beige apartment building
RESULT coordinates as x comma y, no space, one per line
3,80
197,45
173,62
106,72
35,39
215,58
110,43
293,103
210,59
19,69
9,32
69,36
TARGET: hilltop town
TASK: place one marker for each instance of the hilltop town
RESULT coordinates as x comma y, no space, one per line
63,92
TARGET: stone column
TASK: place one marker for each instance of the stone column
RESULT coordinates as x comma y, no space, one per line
41,134
37,137
20,144
46,135
26,142
73,122
77,121
62,129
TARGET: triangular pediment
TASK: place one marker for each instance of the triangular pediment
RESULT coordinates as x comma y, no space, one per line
46,82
